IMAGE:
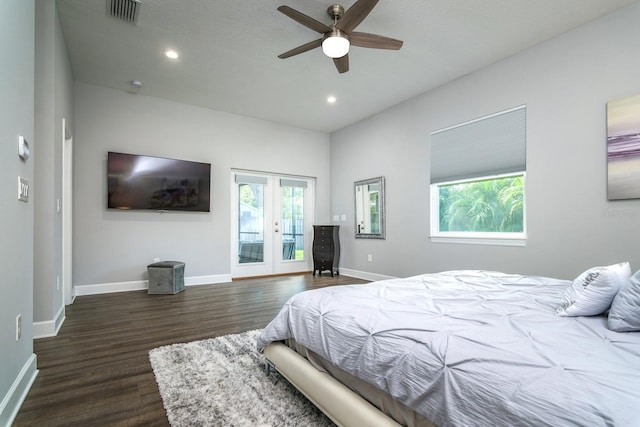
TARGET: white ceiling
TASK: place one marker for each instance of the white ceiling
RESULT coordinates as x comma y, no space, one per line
228,51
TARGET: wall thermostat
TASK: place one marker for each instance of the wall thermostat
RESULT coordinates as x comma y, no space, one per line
23,148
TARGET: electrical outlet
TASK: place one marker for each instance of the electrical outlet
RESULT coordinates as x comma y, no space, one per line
156,260
18,327
369,258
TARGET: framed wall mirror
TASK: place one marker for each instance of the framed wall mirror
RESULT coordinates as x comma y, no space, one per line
369,198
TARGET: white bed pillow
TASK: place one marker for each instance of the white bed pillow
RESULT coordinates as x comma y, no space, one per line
592,292
624,315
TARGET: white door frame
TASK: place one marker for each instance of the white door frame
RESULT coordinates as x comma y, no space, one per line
67,215
273,262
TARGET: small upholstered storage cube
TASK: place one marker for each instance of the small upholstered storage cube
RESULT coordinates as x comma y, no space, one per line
166,277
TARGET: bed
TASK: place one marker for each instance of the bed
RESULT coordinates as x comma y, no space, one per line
458,348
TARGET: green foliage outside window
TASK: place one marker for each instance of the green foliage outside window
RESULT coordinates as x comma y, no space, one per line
490,205
248,196
292,202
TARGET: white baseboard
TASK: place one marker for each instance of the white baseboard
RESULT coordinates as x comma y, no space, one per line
49,328
108,288
364,275
140,285
12,401
207,280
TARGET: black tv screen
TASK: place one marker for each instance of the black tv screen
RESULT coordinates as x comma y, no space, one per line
157,183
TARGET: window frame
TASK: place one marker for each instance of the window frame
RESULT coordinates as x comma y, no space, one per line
474,237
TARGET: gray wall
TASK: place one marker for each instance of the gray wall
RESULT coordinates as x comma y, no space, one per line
566,84
16,243
116,246
54,101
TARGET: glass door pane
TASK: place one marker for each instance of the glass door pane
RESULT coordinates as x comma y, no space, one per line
292,223
250,223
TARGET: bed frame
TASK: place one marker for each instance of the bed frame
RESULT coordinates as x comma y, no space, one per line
343,406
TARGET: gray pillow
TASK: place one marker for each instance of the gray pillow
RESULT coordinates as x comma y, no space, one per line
624,315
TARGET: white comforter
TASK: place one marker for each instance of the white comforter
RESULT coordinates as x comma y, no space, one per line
472,348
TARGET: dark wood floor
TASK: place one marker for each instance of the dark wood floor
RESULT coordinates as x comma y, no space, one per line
97,370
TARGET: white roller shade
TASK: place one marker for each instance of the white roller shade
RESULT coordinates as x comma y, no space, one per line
251,179
284,182
491,145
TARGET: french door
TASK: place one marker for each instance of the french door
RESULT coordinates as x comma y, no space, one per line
271,224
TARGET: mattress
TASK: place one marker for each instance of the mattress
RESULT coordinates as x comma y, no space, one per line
472,348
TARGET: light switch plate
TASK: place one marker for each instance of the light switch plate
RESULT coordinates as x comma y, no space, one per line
23,148
23,190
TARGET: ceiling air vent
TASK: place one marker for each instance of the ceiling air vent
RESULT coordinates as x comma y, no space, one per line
127,10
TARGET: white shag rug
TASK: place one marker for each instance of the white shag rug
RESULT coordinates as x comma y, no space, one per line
222,382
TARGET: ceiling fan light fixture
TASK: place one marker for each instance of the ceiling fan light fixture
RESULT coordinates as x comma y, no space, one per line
335,44
336,37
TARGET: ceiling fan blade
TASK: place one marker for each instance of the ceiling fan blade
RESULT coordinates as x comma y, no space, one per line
374,41
300,49
342,64
305,20
355,15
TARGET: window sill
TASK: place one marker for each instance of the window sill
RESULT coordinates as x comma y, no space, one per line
520,240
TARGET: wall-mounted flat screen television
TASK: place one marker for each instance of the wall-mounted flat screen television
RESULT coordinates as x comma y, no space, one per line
157,183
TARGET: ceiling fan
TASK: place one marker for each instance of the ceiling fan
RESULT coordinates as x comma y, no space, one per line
337,37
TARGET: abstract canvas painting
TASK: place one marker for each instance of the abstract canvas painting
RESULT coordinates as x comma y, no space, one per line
623,148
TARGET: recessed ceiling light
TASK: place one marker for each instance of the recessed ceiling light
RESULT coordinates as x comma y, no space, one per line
331,99
171,54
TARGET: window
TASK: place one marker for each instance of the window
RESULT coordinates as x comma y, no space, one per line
478,174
